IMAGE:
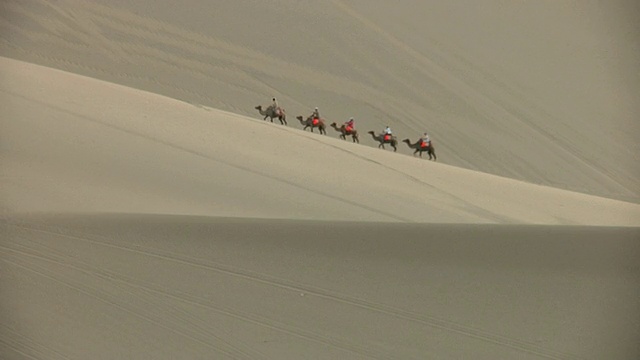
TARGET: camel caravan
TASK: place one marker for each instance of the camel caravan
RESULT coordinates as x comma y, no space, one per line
314,121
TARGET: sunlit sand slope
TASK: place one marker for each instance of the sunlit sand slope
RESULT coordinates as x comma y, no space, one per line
539,91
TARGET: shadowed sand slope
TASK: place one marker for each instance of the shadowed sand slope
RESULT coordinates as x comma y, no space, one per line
539,91
167,287
71,143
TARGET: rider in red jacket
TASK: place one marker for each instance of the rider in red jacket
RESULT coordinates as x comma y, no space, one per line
349,125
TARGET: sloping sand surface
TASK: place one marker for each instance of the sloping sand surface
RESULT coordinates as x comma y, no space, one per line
72,143
541,92
128,285
166,287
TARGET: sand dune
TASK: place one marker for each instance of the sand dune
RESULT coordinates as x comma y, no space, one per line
146,211
226,284
525,90
94,146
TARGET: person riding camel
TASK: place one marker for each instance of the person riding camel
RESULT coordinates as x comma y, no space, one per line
386,133
275,106
315,116
425,141
349,125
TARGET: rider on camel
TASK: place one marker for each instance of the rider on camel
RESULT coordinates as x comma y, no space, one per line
275,106
315,116
425,141
386,133
349,125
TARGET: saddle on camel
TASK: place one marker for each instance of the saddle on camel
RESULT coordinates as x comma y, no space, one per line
276,110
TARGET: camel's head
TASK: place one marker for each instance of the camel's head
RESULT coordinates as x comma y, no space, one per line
407,141
299,117
259,107
371,132
333,124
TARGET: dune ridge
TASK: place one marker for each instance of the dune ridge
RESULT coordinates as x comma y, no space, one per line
96,146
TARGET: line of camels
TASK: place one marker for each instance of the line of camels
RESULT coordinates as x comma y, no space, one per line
311,123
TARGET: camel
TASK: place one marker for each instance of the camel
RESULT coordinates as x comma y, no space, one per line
418,148
271,113
344,132
310,123
379,138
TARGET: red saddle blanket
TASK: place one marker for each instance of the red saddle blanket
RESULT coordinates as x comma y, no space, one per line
349,129
387,137
315,121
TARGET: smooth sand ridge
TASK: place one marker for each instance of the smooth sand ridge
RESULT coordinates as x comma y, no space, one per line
180,287
72,143
539,91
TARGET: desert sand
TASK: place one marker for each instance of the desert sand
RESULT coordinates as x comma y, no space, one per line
149,212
